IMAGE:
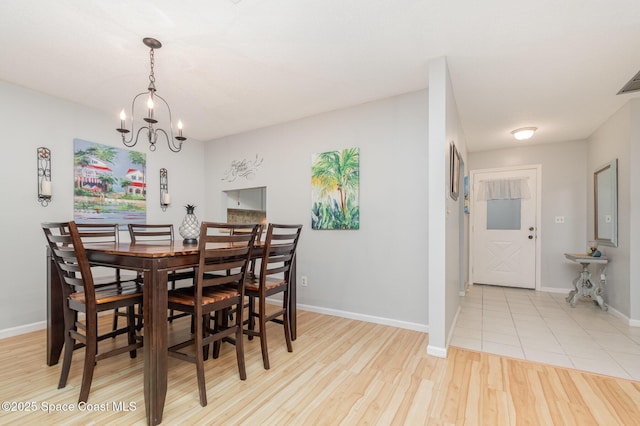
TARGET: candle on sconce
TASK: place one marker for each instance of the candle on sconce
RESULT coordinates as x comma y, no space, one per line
166,198
179,127
123,117
45,188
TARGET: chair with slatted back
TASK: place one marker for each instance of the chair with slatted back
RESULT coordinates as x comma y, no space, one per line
161,232
279,249
106,233
222,268
248,229
81,295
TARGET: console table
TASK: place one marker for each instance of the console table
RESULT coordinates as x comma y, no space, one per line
583,286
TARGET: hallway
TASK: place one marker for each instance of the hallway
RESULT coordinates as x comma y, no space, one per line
542,327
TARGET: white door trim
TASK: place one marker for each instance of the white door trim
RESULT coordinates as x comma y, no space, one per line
538,234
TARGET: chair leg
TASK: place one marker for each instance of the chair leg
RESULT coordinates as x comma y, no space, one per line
69,343
239,342
221,319
91,349
115,321
202,388
206,325
252,315
263,331
131,326
285,320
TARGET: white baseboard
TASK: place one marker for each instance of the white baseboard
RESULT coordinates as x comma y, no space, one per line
366,318
453,325
22,329
15,331
437,351
616,313
555,290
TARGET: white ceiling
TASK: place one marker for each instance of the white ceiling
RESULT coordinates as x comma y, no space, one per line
228,66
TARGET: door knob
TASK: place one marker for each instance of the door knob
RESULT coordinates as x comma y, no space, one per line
531,237
531,228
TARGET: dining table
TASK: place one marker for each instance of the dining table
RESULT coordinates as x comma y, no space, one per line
154,260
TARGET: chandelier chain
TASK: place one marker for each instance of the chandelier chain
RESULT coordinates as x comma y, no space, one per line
152,77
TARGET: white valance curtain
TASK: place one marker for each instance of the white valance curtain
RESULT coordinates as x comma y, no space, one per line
503,189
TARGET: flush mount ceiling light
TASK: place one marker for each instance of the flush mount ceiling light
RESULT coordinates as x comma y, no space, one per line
524,133
150,95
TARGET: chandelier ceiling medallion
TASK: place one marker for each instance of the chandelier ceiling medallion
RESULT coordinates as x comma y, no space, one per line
151,100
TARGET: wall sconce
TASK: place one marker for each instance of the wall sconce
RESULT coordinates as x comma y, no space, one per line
44,176
165,197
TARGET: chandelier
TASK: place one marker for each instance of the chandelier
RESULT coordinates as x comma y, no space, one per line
152,132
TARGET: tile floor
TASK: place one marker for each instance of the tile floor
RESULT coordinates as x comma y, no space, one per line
542,327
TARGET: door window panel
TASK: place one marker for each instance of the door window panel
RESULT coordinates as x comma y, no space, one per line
504,214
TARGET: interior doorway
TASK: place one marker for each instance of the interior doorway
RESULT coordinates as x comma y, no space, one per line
247,205
505,227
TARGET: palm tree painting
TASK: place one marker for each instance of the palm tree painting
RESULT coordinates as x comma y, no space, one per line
109,184
335,187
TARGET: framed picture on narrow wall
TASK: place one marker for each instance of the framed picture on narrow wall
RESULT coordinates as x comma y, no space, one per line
454,170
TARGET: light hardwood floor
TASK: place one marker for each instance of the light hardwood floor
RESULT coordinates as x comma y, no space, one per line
341,372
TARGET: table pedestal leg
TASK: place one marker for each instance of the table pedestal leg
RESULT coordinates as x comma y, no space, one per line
583,286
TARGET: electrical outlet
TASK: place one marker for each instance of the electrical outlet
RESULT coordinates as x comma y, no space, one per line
559,219
303,281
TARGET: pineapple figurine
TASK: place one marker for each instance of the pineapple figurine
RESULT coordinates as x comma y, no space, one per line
190,228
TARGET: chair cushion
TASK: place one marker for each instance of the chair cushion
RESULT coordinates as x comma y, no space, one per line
185,295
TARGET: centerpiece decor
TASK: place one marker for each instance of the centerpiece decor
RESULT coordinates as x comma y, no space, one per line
190,228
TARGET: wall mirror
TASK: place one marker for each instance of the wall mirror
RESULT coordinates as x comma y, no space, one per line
605,187
247,205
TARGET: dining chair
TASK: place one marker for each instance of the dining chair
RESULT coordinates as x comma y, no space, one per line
222,267
107,233
161,232
81,295
278,252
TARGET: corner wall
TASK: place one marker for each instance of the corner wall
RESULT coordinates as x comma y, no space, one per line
445,224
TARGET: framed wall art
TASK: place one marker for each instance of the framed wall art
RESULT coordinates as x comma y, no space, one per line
109,184
335,189
454,171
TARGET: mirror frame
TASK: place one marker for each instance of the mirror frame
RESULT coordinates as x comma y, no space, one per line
613,167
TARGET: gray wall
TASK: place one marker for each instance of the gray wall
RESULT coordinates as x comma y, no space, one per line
378,272
29,120
564,192
614,140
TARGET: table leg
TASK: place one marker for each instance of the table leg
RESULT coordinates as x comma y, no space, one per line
573,294
55,317
155,343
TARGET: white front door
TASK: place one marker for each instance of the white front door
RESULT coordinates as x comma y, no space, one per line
504,222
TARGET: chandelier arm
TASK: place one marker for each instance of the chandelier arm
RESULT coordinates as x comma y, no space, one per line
172,146
132,141
169,110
